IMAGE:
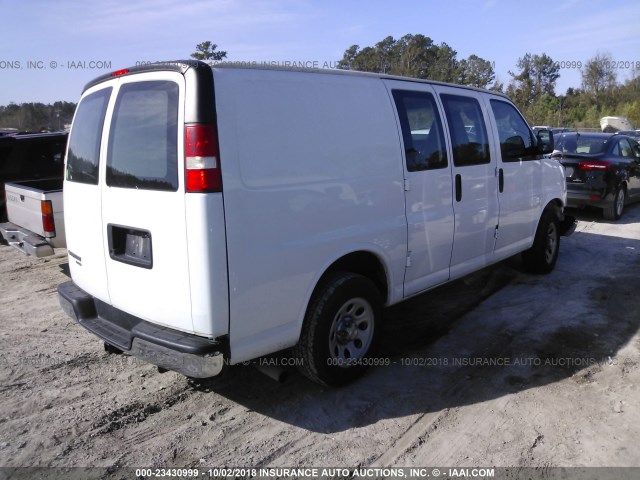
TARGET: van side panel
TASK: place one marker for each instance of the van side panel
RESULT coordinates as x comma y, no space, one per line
206,245
311,167
554,184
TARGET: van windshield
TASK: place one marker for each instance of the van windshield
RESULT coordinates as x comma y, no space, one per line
143,142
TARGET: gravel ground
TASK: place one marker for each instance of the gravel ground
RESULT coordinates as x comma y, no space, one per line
500,368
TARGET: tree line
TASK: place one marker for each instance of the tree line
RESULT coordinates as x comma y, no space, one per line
37,117
531,85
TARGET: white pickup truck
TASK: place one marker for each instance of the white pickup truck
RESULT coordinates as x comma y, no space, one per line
36,217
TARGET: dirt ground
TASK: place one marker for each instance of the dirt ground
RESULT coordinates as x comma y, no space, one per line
500,368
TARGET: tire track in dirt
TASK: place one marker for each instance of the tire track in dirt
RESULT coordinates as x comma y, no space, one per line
422,428
135,412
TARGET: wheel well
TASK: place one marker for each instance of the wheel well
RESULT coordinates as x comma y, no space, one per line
362,263
555,206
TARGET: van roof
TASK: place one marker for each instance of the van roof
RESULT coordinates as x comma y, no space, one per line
183,66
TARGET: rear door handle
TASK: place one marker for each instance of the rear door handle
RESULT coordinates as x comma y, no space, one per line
501,180
458,188
130,245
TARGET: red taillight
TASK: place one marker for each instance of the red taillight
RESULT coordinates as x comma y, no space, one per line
48,225
600,165
202,166
117,73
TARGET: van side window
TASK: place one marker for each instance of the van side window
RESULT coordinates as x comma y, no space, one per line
84,144
468,131
143,141
516,140
421,130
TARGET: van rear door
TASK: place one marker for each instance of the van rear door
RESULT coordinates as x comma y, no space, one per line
82,195
143,200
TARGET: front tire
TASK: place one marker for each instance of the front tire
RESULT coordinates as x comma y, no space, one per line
543,255
614,211
340,329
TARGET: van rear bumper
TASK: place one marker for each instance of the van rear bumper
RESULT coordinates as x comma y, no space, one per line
188,354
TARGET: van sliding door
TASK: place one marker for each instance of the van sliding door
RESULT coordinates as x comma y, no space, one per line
428,187
475,180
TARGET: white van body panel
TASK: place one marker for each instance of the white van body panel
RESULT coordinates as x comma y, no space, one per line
291,145
313,178
207,268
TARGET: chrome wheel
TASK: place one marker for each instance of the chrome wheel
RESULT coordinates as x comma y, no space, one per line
351,331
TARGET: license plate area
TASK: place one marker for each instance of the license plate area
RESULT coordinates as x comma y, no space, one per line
568,172
130,245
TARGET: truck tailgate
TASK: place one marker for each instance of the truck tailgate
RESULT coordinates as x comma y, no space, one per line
24,206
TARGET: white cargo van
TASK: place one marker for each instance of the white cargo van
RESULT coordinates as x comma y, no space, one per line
215,215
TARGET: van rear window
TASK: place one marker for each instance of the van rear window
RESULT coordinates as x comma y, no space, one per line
84,143
143,142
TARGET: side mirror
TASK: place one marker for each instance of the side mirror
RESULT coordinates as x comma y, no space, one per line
545,140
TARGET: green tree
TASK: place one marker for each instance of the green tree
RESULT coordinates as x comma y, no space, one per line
416,56
386,54
537,75
349,58
476,71
445,67
599,74
207,51
412,55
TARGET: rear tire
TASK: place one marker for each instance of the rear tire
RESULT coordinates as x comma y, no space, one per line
614,211
543,255
339,330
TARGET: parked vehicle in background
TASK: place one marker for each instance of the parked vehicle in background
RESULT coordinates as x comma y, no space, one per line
615,124
31,175
632,133
30,157
215,215
555,130
36,216
602,170
5,132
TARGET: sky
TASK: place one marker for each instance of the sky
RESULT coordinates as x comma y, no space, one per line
50,49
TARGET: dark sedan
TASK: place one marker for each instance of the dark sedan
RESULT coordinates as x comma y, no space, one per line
602,170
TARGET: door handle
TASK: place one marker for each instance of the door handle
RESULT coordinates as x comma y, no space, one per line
501,180
458,188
